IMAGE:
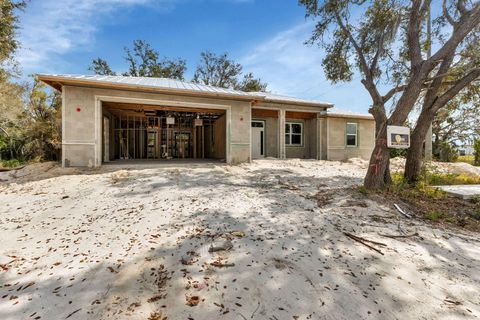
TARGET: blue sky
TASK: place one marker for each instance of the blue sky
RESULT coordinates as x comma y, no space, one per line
266,36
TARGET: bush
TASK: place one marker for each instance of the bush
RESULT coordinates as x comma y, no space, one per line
447,152
397,153
433,215
11,163
476,152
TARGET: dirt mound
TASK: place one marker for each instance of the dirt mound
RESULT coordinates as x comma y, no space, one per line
38,171
462,168
398,164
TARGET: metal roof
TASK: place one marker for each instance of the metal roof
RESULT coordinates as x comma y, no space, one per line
337,112
172,85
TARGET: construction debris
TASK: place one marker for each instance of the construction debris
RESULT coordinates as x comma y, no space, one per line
364,242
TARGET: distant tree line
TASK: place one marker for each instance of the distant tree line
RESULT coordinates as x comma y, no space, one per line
214,70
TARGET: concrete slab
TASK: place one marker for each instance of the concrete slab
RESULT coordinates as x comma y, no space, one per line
466,191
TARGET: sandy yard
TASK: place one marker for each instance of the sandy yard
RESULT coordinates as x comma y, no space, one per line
134,244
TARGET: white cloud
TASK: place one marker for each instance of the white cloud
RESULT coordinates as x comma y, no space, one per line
51,28
290,67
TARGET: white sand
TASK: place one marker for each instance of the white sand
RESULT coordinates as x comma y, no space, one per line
100,244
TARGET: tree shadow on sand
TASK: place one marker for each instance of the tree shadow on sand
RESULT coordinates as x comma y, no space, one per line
290,258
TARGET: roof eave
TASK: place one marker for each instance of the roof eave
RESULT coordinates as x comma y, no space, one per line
57,82
350,116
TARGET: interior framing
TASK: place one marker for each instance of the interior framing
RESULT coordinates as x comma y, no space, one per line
105,104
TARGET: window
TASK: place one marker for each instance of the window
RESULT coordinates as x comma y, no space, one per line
352,134
293,134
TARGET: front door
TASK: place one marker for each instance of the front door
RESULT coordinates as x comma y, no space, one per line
258,139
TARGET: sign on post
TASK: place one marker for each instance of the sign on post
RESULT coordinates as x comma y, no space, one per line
398,137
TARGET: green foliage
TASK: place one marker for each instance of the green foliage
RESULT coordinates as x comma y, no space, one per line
101,67
217,70
401,186
381,19
11,163
433,215
438,179
251,84
8,28
362,190
446,152
466,159
475,199
458,120
476,152
34,131
397,153
476,215
214,70
221,71
144,61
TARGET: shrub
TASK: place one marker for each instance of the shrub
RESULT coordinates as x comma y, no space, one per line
433,215
397,153
476,152
447,152
11,163
476,215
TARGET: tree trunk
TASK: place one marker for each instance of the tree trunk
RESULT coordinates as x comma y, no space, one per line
413,165
378,174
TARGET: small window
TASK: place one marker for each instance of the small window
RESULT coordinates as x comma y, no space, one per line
293,134
352,134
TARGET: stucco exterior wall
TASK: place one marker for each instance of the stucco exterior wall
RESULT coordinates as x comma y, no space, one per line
271,137
336,137
82,130
323,137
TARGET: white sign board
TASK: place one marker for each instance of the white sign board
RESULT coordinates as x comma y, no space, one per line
170,120
198,122
398,137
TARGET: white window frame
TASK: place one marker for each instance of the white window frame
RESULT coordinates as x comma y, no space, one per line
351,134
290,134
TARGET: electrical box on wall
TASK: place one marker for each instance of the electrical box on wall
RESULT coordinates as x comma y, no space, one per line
398,137
198,122
170,120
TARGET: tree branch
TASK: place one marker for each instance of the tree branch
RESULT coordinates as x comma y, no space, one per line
413,33
455,89
392,92
361,56
461,7
368,81
437,81
447,14
467,22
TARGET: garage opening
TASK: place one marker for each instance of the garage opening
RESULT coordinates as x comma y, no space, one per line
137,131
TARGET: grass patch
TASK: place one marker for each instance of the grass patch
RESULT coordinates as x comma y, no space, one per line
476,215
466,159
402,188
433,215
431,204
11,163
436,179
439,179
475,200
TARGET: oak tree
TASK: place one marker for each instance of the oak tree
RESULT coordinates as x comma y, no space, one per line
383,40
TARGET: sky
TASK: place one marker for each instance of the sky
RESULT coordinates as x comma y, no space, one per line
266,36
